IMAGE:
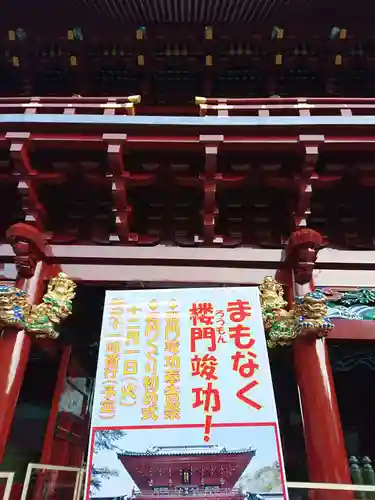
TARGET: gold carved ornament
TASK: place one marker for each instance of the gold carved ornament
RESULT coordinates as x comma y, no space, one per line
308,315
40,320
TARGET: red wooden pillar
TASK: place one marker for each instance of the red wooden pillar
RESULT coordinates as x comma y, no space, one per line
326,453
14,354
52,421
15,345
325,446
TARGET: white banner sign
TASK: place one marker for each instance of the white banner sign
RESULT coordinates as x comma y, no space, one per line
183,388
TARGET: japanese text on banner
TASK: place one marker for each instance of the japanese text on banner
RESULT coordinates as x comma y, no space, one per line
172,363
112,359
244,360
202,317
131,353
150,409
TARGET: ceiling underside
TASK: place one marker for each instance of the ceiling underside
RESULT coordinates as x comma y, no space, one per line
105,13
234,11
187,11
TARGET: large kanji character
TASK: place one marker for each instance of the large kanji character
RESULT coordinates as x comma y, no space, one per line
204,397
172,346
151,384
239,333
239,310
111,365
149,412
109,391
113,347
204,366
172,411
107,408
172,323
130,367
172,361
172,377
202,312
208,333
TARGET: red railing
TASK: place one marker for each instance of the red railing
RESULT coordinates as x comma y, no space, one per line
70,105
210,106
291,106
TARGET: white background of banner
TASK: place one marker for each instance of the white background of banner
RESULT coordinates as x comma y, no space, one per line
142,433
229,381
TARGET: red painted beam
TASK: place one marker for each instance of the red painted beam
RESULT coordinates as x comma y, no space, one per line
352,330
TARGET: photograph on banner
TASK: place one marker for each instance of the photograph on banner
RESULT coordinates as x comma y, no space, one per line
239,462
184,374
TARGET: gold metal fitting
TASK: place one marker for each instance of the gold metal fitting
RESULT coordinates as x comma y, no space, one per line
135,99
200,100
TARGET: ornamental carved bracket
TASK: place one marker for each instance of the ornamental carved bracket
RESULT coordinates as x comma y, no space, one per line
40,320
29,248
301,253
307,317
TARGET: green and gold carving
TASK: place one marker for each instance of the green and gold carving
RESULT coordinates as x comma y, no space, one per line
40,320
279,323
307,316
